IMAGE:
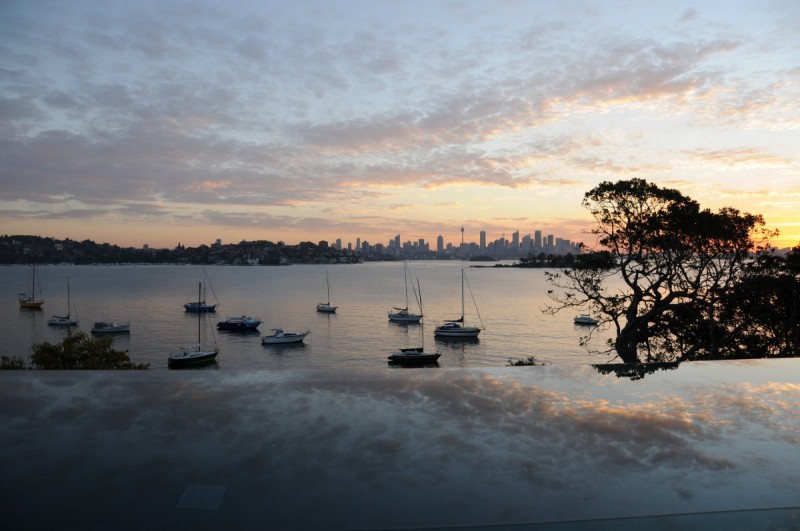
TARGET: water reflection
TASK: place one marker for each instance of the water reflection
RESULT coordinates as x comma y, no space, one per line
462,447
634,371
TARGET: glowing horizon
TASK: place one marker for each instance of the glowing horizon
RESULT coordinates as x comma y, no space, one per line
186,122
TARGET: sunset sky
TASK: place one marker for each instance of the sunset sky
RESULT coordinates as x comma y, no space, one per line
161,122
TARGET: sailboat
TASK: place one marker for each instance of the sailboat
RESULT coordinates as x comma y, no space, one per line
64,320
457,328
402,315
194,354
415,355
30,301
325,307
200,306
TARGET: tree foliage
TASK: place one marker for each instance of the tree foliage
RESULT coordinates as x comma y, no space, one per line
761,314
80,351
664,266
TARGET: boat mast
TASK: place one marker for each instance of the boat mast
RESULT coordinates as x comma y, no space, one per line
463,321
199,319
405,277
328,282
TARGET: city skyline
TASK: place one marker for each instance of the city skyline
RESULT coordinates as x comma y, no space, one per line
517,245
163,122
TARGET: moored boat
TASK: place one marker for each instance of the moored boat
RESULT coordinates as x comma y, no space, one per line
110,327
415,355
32,302
200,305
64,320
585,319
239,324
326,307
278,337
457,328
403,315
194,354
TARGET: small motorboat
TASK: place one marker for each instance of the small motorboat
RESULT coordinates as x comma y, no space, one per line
585,319
192,356
415,355
279,337
109,327
239,324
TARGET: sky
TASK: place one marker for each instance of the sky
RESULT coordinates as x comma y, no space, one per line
159,122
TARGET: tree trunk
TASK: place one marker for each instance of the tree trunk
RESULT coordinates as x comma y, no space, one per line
626,346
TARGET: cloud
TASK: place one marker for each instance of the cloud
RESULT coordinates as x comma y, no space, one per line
267,107
740,156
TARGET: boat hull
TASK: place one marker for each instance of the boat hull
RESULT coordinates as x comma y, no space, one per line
404,318
284,338
31,305
250,325
193,359
413,356
111,328
193,307
465,332
62,321
326,308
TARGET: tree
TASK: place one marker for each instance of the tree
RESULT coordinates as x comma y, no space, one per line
762,312
663,265
81,351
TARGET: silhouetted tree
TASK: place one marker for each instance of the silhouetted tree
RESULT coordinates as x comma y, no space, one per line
674,261
761,313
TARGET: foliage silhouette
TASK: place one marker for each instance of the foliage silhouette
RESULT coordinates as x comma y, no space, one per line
80,351
676,262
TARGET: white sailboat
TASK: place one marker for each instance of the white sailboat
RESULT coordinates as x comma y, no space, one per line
402,315
457,328
31,302
194,354
64,320
325,307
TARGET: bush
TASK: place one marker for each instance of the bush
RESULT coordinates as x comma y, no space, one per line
82,352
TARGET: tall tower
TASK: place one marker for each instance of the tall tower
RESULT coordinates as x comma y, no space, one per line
483,241
440,243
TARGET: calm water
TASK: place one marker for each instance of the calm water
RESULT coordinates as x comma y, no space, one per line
358,335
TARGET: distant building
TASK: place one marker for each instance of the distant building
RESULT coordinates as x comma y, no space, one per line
440,243
483,241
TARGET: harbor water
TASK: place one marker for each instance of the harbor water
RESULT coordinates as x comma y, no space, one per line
508,302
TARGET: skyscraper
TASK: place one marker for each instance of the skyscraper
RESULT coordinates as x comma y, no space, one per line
483,240
440,243
537,239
